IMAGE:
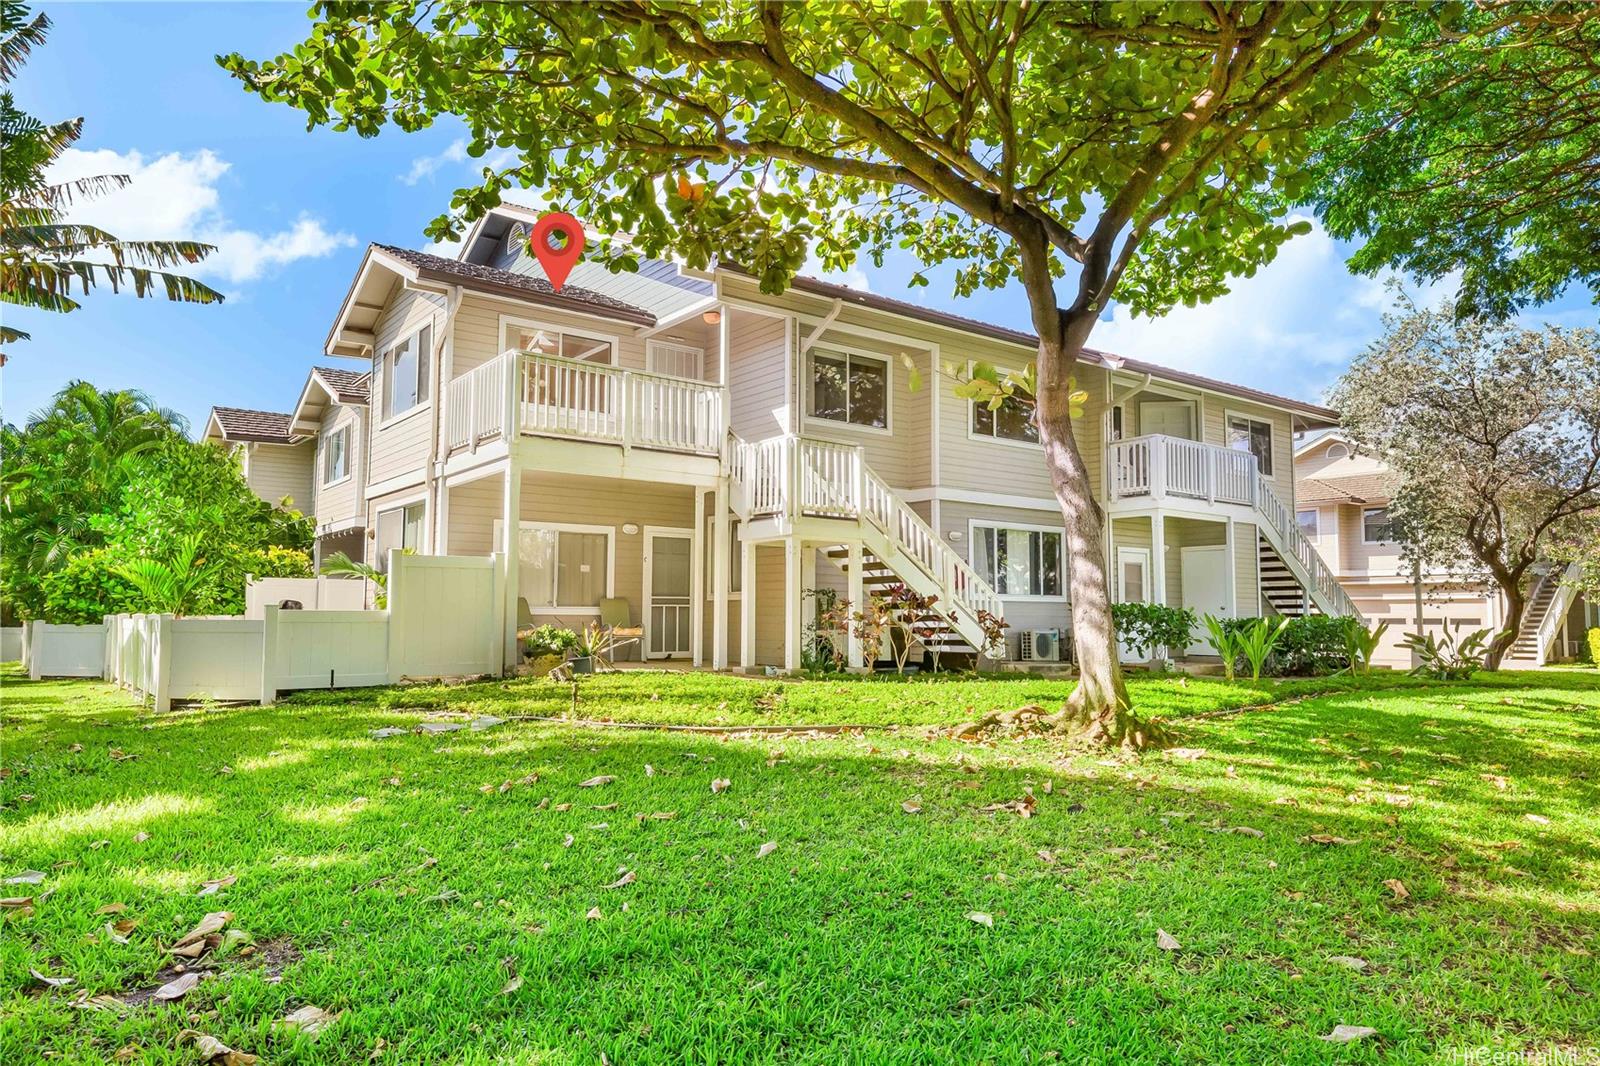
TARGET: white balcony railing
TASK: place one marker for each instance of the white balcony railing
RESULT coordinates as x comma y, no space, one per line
588,401
1156,467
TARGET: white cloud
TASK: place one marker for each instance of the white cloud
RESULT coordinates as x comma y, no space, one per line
426,166
176,197
853,278
1291,329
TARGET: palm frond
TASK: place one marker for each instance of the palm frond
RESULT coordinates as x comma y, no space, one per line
19,35
45,284
10,334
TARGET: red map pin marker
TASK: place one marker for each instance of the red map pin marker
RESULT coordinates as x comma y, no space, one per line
557,243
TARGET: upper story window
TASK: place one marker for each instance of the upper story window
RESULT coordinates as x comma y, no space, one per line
849,387
1254,436
1019,562
1308,522
1377,527
336,455
405,366
553,342
1012,420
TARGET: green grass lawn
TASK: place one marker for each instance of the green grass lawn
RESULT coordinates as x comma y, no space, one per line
434,890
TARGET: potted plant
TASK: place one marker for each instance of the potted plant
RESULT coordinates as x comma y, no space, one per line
594,643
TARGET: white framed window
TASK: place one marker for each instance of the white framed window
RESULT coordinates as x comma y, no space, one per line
1012,421
1376,526
735,562
674,360
564,568
336,455
528,336
1308,521
1252,435
1020,561
1337,450
399,528
406,375
850,388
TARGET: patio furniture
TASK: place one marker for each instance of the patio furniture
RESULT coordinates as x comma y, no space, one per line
616,618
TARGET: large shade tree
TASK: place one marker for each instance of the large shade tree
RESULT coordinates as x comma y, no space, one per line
1494,433
47,261
1476,156
1089,151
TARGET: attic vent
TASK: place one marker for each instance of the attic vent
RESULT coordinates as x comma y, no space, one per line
516,239
1337,451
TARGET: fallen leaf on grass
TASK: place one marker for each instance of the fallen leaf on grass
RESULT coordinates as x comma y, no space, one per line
1324,838
127,1053
1022,808
210,1049
603,807
96,845
309,1019
980,918
118,755
211,923
140,837
1166,941
1537,819
1243,830
562,807
112,908
721,784
1189,754
911,807
603,779
649,771
1344,1034
567,841
766,849
27,877
211,888
1122,853
1046,857
19,904
1398,887
626,879
118,931
176,988
594,914
53,982
511,985
1349,962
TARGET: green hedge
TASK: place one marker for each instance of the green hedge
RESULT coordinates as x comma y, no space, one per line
1313,645
1594,645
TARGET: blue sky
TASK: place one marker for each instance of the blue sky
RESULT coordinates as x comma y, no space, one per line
292,211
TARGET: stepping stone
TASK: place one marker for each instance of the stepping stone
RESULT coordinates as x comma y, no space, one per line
387,731
488,721
441,727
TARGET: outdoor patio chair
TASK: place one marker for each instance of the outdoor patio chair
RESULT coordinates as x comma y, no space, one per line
617,620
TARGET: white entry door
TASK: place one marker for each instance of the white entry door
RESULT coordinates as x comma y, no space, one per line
668,582
1205,590
1133,586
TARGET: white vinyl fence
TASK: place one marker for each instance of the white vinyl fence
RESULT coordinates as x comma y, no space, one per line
311,593
443,619
65,651
10,644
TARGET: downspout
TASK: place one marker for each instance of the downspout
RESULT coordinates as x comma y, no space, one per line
436,439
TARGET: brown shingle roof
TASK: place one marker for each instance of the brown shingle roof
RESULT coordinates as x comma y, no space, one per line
350,386
243,424
522,286
1356,488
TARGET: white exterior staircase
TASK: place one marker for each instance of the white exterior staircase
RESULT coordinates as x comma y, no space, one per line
1541,619
1146,470
829,487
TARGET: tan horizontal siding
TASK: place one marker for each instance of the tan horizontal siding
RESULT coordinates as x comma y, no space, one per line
279,470
337,503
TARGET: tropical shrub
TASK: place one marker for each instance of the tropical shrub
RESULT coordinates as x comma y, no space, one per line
550,640
1144,627
1361,644
86,589
276,561
1445,658
1315,644
1224,638
1258,640
1594,645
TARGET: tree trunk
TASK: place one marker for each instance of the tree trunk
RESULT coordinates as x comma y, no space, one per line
1516,607
1099,704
